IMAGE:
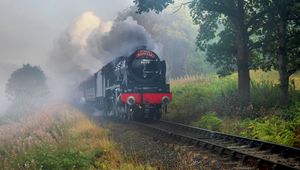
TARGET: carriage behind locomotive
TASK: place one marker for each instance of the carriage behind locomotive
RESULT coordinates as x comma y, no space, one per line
131,87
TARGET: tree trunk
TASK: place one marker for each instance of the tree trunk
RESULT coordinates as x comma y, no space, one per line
243,69
242,56
282,63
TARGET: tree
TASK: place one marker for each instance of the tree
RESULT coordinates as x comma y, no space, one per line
26,86
282,34
156,5
239,17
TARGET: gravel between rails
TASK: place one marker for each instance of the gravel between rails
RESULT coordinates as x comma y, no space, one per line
140,146
144,147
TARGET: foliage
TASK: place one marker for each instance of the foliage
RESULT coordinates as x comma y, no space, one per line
210,121
282,16
195,95
272,129
156,5
264,94
190,100
279,36
26,86
50,157
282,128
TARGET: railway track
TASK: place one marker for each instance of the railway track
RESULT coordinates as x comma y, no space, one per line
242,153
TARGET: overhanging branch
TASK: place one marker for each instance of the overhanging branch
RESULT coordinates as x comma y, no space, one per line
180,6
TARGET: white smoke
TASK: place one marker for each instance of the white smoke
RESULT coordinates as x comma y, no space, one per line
69,61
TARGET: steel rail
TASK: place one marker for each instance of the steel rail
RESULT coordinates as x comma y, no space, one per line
233,153
286,157
284,150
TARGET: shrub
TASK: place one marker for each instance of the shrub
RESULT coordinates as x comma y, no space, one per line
282,128
51,157
210,121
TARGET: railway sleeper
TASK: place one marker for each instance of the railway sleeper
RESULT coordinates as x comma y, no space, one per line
244,168
237,146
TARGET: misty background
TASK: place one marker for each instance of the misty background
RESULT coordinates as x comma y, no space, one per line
70,40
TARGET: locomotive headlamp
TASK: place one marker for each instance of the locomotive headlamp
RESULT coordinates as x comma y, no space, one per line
131,100
165,100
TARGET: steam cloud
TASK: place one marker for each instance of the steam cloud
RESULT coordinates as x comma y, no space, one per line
123,38
89,44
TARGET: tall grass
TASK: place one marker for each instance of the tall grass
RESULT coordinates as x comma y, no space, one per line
190,100
196,98
59,137
196,95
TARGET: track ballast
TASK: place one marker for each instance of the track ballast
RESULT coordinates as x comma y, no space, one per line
249,153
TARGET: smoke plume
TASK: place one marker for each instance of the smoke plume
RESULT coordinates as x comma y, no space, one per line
123,39
89,44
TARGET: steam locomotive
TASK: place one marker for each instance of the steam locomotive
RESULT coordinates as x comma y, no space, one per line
132,87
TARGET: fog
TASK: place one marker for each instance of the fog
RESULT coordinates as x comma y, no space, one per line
31,32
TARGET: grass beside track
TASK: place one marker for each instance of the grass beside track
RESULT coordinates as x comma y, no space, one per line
211,102
59,137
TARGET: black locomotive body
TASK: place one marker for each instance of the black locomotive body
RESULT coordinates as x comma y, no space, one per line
132,87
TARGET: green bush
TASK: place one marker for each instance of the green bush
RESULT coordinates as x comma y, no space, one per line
274,128
210,121
49,157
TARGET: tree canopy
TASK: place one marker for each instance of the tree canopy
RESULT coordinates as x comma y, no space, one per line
26,85
155,5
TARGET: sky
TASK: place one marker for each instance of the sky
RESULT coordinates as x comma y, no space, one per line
29,29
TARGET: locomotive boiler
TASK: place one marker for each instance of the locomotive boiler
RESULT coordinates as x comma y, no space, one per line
131,87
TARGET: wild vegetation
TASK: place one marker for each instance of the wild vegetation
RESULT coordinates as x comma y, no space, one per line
212,102
59,137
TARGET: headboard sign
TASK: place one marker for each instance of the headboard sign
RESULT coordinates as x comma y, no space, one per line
145,53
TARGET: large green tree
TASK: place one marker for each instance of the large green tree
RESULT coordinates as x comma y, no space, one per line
26,86
280,43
